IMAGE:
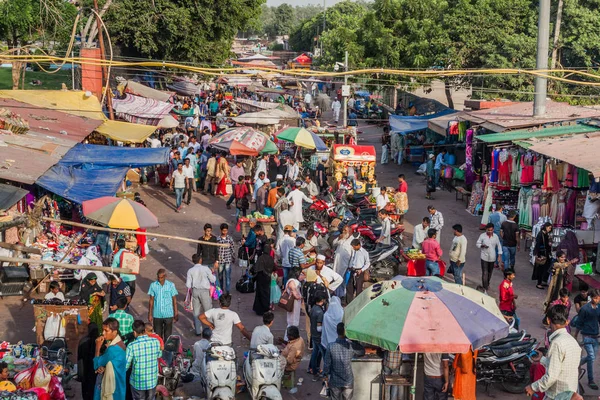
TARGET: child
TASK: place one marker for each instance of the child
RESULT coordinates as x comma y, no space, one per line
150,332
55,292
275,290
5,384
200,348
538,369
241,198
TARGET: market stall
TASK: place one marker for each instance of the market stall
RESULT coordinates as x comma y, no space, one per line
362,158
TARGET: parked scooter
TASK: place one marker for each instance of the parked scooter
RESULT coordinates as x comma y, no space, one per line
170,365
219,375
263,370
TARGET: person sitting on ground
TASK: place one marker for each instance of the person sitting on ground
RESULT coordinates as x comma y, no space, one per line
54,292
262,333
5,384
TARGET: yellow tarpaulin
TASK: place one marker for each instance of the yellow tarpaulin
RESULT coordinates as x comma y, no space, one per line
77,103
126,131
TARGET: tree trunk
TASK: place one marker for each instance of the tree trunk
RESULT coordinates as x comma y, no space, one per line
559,11
16,74
448,90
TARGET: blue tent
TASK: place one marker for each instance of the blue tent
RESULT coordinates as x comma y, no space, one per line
90,171
405,124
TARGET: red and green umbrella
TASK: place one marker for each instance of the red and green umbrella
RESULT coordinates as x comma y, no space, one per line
116,212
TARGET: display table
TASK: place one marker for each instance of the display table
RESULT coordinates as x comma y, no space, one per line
417,267
268,226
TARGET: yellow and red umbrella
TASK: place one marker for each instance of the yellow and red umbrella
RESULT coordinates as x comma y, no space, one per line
116,212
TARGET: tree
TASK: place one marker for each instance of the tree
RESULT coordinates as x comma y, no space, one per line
198,31
282,22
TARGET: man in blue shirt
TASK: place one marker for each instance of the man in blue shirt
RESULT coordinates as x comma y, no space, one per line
162,309
587,321
439,161
337,367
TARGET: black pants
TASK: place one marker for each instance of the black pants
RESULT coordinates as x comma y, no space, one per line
487,268
355,283
163,327
132,287
189,190
232,197
432,389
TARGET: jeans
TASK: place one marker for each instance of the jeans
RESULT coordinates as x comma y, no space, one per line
508,256
225,276
341,393
432,268
200,298
487,268
143,394
392,392
163,327
188,190
590,345
286,273
436,177
178,196
457,272
232,197
432,389
515,317
318,353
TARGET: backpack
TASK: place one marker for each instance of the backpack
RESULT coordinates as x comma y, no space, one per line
310,291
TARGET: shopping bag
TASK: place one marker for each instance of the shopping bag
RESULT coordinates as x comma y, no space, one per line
287,301
215,292
187,304
584,269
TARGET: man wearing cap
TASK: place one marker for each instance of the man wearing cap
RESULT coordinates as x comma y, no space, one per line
261,196
310,186
296,197
287,242
325,275
234,174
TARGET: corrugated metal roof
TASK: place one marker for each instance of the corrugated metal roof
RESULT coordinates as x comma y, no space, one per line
24,158
521,115
578,150
525,134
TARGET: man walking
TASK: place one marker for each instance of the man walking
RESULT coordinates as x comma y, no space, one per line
316,327
437,170
116,263
491,252
284,246
507,295
234,174
337,367
336,106
562,372
112,362
226,258
208,252
458,254
189,173
420,233
433,252
402,184
162,309
359,263
437,221
179,183
509,232
435,386
199,278
125,319
142,357
587,320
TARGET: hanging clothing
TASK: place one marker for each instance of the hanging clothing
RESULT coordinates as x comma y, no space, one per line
515,169
545,204
527,169
583,178
494,166
504,170
538,168
535,206
551,177
561,207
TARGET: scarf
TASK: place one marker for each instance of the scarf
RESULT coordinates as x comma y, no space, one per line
109,384
265,262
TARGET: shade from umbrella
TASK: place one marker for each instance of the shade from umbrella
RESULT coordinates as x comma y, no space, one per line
424,315
116,212
303,138
243,140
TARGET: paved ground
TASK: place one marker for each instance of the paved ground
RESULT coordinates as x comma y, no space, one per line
175,257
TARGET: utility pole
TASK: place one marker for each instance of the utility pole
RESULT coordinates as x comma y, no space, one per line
72,72
541,83
345,97
104,69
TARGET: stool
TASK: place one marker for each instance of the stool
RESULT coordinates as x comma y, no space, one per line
395,380
289,379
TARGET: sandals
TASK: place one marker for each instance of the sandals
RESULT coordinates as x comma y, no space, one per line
539,287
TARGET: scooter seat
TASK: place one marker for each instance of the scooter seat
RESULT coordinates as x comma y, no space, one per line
510,338
511,348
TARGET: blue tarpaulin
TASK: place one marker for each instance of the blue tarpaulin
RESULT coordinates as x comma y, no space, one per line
90,171
405,124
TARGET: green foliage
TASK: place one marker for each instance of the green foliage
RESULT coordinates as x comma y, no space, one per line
199,31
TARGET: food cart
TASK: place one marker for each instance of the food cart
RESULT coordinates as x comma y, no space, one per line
362,158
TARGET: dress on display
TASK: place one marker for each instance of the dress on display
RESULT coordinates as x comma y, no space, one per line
494,164
560,214
545,204
515,169
527,169
538,169
504,170
554,209
535,205
551,177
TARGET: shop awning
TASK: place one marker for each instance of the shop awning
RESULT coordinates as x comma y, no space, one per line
145,91
266,117
405,124
90,171
577,150
10,195
125,131
525,134
141,110
343,152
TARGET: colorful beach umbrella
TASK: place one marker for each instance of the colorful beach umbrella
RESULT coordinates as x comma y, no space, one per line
244,141
116,212
302,137
424,315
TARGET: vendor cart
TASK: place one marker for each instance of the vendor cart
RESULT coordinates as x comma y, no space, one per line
361,158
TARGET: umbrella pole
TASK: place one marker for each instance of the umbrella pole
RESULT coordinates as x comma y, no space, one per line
413,388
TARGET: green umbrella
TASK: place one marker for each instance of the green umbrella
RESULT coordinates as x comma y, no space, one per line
270,148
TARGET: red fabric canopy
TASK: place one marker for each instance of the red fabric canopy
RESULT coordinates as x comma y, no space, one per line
303,59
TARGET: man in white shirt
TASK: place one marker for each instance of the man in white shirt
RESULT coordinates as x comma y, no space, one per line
307,99
199,278
386,227
382,199
491,250
179,183
262,333
284,246
351,102
261,166
458,254
54,292
420,233
222,320
437,221
292,171
296,197
325,275
310,187
188,171
436,368
336,106
359,263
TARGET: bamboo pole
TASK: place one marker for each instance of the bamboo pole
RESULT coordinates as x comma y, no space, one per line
100,228
67,266
18,247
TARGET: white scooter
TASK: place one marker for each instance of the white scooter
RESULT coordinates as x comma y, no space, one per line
219,375
263,370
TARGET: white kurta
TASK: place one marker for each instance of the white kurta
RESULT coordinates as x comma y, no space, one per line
343,252
296,197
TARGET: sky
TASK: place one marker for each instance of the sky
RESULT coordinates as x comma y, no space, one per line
301,2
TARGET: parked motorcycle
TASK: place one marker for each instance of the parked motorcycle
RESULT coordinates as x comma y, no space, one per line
219,376
263,370
171,364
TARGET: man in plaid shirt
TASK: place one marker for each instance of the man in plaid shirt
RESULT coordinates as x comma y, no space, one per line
142,357
125,319
226,258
